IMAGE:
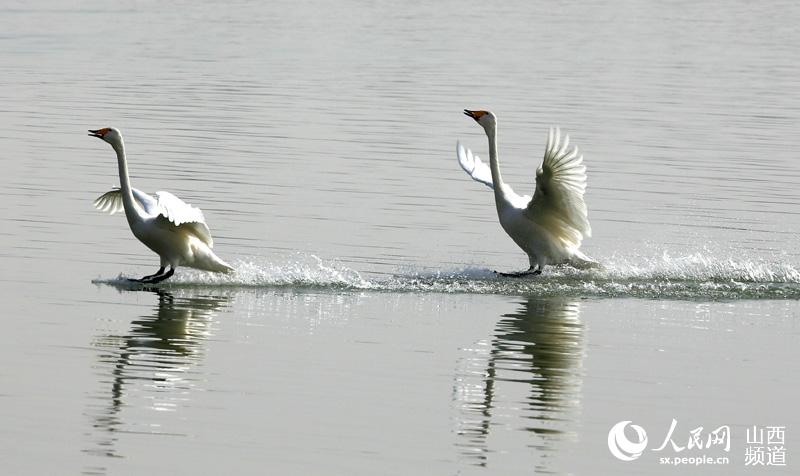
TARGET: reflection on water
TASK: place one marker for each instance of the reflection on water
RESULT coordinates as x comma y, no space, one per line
530,370
149,369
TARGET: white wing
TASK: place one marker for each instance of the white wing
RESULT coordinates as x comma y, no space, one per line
177,211
165,206
557,203
111,202
474,166
181,214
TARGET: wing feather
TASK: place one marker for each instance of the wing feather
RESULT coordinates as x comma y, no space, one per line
558,203
185,216
111,201
474,166
165,207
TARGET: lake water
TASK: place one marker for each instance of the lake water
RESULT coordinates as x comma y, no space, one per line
364,331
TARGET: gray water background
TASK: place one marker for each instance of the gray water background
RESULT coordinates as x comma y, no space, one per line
365,333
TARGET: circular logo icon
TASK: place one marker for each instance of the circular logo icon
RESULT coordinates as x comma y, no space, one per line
621,447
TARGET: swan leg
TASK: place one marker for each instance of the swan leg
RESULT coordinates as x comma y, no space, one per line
161,277
160,271
145,279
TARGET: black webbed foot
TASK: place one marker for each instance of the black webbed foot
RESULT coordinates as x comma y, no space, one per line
530,272
146,279
157,278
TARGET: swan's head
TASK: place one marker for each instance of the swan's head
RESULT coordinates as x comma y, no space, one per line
112,135
486,119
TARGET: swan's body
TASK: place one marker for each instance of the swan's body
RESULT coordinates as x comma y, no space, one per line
174,230
550,226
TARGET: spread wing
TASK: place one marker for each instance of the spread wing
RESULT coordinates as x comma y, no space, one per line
183,215
111,202
474,166
557,203
166,207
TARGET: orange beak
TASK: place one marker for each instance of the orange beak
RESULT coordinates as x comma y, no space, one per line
99,132
474,114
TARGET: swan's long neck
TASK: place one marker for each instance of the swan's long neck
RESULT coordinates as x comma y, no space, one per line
494,164
131,210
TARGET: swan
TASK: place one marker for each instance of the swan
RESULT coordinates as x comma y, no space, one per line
174,230
550,226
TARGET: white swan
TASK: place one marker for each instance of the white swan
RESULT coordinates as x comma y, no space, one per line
174,230
550,226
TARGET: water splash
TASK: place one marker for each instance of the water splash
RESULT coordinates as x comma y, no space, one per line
693,276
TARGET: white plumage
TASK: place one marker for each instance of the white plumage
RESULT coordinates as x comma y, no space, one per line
474,166
164,206
551,225
173,229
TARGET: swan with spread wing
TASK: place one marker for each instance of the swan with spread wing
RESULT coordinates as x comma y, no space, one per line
550,226
174,230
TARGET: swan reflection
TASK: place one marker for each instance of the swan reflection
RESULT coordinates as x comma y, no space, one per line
150,368
526,377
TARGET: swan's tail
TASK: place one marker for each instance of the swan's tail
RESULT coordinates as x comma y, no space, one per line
204,258
219,265
581,261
